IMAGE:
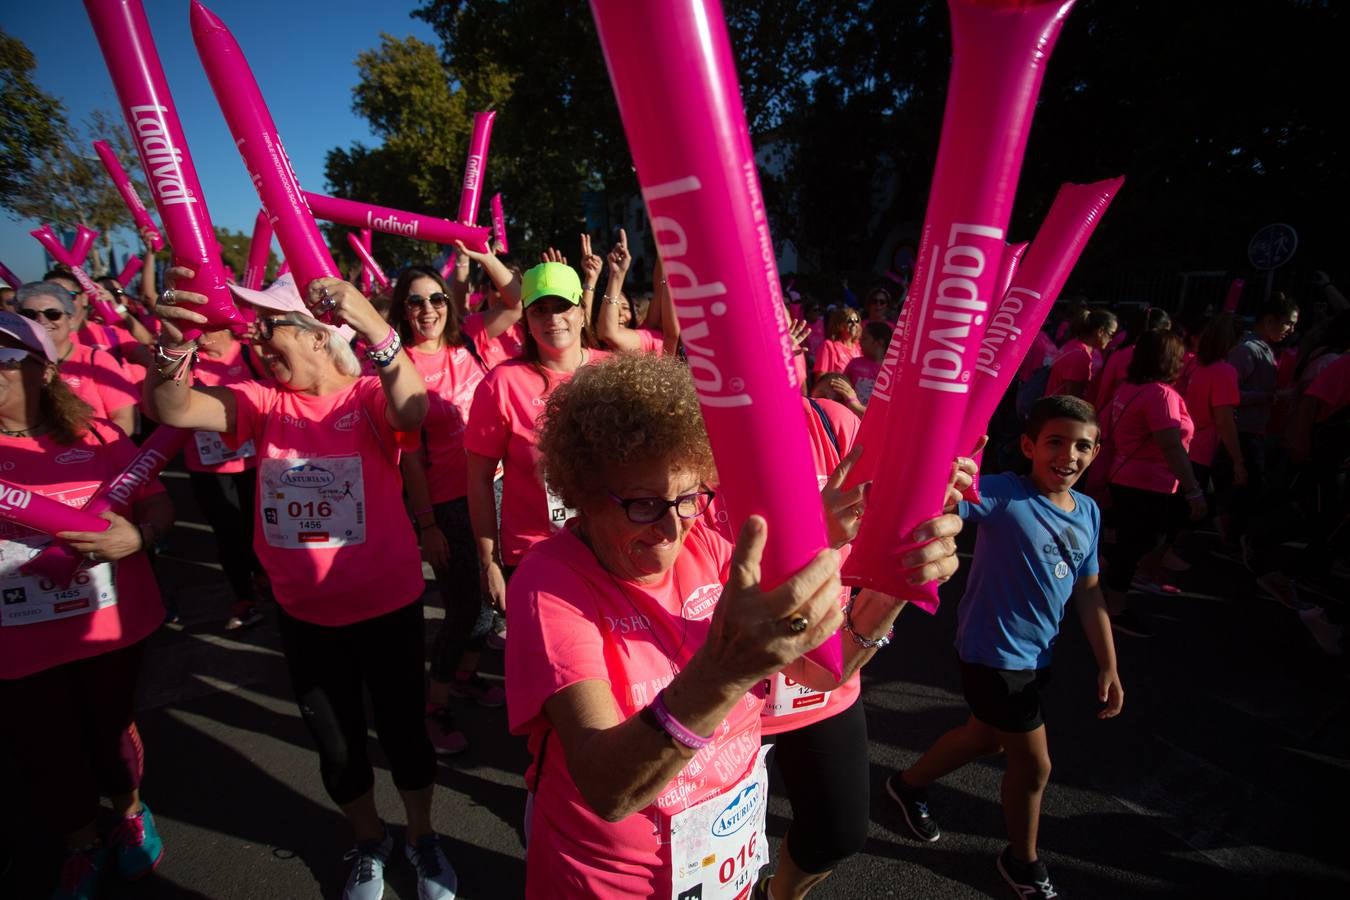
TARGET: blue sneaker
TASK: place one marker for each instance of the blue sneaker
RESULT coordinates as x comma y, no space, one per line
436,878
138,846
368,858
80,874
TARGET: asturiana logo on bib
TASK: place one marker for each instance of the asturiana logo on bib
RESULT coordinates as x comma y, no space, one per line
74,455
348,422
12,498
307,476
740,810
700,603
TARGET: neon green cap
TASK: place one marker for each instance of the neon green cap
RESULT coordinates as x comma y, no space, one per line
550,279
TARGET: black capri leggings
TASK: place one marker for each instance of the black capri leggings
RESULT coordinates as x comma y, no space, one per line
467,619
825,771
1142,518
330,664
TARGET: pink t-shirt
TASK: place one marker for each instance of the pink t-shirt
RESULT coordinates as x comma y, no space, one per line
332,532
206,451
1137,411
1332,386
834,356
572,621
508,345
1209,387
862,374
66,628
1076,362
501,427
1042,353
1113,373
99,380
650,340
799,364
815,337
452,376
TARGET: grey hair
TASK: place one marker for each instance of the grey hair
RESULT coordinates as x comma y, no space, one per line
344,358
58,292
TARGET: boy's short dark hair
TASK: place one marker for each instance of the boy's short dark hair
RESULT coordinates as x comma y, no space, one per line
1060,406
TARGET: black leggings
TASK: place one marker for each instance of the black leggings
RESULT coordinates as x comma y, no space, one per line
330,664
1142,518
227,502
467,619
825,771
71,733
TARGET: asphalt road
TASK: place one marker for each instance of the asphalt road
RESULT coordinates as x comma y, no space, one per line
1226,776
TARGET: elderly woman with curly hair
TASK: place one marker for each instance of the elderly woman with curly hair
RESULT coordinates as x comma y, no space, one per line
637,637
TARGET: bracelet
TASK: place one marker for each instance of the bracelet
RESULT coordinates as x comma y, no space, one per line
384,344
865,643
385,354
171,364
671,726
585,289
608,299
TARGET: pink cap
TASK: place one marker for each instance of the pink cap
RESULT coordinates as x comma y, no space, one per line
29,333
283,296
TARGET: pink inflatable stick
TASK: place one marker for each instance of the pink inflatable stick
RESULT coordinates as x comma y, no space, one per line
32,510
675,81
499,224
283,268
371,267
396,221
139,213
129,50
1230,302
475,167
255,135
1012,256
58,562
1019,315
1000,48
9,278
259,248
129,271
367,237
73,259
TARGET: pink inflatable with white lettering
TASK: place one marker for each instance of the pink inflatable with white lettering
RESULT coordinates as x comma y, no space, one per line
255,136
129,50
58,562
31,509
675,81
475,167
998,61
396,221
369,266
73,258
139,213
499,224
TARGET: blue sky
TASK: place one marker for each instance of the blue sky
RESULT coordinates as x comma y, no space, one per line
302,52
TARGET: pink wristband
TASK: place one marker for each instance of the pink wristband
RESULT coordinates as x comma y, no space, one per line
672,726
386,343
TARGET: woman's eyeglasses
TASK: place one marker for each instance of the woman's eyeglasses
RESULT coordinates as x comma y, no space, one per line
646,510
267,326
853,321
51,315
437,300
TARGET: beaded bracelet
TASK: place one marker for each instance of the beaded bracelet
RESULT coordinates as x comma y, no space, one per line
383,355
671,726
865,643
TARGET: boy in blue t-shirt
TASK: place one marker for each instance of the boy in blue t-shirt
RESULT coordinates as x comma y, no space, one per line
1036,550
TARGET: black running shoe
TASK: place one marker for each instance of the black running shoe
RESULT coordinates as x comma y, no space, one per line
1030,880
914,804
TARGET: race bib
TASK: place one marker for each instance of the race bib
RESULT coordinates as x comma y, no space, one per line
312,503
26,599
787,697
558,512
718,846
213,451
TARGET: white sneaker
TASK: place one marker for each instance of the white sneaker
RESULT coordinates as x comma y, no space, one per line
368,858
436,878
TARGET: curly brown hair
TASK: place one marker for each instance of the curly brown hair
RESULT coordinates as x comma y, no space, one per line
64,413
631,409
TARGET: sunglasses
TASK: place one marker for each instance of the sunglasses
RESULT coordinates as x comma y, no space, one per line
266,327
51,315
853,321
646,510
12,358
437,300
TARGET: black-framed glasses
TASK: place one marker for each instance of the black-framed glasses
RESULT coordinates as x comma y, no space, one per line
646,510
437,300
267,326
51,315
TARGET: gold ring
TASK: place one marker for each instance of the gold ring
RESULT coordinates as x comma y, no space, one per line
797,624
